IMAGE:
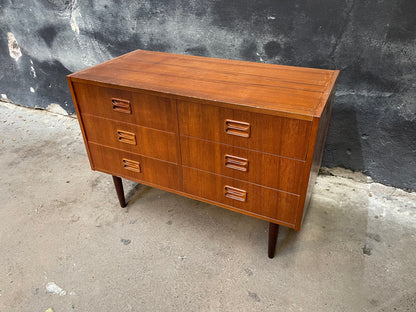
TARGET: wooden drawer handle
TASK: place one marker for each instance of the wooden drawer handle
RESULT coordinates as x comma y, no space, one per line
122,106
126,137
238,128
235,193
237,163
131,165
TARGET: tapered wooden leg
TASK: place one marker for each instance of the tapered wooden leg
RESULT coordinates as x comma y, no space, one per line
273,231
120,192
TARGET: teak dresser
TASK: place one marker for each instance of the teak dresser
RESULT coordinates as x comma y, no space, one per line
243,136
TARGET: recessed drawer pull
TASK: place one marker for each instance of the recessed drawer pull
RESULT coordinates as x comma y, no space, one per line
126,137
236,163
122,106
235,193
237,128
131,165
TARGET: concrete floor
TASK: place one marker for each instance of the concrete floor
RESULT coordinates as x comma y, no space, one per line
60,223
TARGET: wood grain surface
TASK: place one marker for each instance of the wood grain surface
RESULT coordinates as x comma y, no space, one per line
264,169
245,136
263,201
271,134
148,142
136,167
146,110
296,91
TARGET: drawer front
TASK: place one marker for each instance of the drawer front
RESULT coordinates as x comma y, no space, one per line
263,201
238,163
134,167
128,137
271,134
141,109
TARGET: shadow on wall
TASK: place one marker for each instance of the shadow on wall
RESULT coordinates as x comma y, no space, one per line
368,134
343,144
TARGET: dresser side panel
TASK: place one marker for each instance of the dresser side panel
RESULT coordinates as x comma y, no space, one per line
81,123
317,144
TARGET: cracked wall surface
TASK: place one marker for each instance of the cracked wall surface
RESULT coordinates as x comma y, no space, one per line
373,43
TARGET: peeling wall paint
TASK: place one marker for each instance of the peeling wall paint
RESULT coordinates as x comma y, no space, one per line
32,69
373,44
75,14
14,49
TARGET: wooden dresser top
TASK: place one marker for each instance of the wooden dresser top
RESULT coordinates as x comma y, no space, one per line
295,92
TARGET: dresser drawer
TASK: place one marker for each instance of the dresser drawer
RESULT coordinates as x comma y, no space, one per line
255,199
265,133
134,167
238,163
133,107
131,138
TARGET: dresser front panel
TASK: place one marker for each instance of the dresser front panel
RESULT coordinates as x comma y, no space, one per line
134,167
131,138
265,133
132,107
266,202
265,169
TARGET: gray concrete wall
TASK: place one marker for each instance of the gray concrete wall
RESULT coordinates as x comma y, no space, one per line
373,126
